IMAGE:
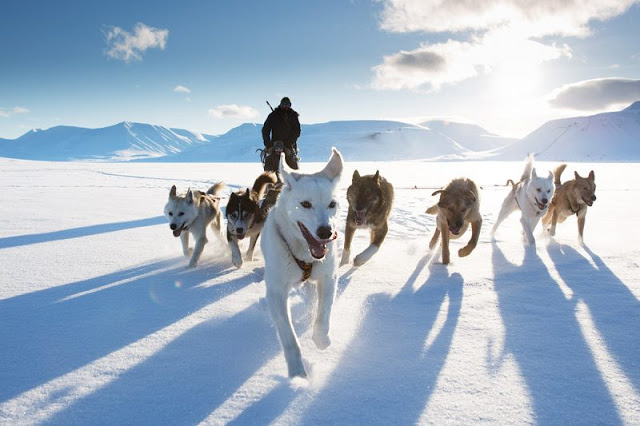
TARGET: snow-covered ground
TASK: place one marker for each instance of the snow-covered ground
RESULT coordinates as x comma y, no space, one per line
102,323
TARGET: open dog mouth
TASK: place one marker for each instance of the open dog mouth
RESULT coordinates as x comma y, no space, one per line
540,205
587,201
318,248
178,231
240,236
360,217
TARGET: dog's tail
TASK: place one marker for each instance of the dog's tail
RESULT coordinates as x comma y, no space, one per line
528,167
262,181
216,189
512,183
556,175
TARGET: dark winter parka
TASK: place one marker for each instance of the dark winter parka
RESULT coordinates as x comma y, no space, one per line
281,125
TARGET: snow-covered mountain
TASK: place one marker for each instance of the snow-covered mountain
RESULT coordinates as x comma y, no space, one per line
611,136
121,142
470,136
355,139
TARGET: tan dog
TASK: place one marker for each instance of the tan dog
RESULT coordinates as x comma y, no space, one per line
458,207
571,197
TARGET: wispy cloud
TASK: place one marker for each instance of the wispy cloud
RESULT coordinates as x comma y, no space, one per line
234,111
181,89
502,32
128,47
596,95
6,113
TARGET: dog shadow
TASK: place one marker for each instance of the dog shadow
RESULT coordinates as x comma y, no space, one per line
371,362
24,240
203,363
49,333
614,309
544,337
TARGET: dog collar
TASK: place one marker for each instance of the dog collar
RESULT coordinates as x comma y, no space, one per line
306,267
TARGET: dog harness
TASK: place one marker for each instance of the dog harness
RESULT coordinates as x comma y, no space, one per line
306,267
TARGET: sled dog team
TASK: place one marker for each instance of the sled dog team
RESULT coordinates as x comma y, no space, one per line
298,222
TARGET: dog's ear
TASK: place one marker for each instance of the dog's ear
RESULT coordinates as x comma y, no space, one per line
534,175
355,177
577,176
289,177
592,176
473,196
333,169
247,193
172,193
189,198
550,176
376,177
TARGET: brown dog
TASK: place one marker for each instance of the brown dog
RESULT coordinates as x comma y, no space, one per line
370,198
458,207
571,197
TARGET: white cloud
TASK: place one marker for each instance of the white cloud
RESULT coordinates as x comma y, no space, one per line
181,89
596,95
6,113
453,61
129,47
234,111
537,18
503,32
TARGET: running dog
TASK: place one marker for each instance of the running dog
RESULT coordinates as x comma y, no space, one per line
572,197
298,245
370,198
459,206
245,217
531,196
192,213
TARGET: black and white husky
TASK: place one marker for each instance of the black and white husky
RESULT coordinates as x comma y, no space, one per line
246,215
298,244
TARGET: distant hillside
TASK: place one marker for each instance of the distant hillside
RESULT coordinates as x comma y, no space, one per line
121,142
361,140
470,136
612,136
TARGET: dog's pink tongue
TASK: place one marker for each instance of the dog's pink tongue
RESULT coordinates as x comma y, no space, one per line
318,250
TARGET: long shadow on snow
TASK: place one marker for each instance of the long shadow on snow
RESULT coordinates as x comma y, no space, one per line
24,240
188,379
543,335
614,309
197,372
49,333
386,375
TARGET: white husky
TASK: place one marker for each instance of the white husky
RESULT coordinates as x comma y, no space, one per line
298,245
531,195
192,213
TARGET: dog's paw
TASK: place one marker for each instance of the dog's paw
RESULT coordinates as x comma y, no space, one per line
465,251
322,341
359,260
237,261
193,264
188,252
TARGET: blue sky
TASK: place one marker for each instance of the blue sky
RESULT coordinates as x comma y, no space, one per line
209,66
